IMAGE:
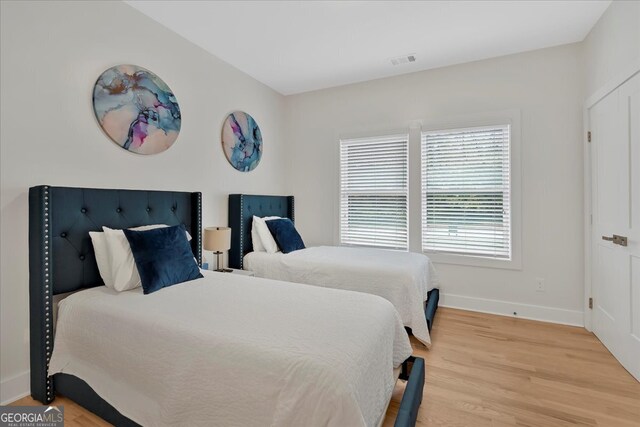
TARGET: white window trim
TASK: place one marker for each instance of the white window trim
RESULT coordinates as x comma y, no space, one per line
513,118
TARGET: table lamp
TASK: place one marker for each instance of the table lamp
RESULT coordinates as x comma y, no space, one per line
218,240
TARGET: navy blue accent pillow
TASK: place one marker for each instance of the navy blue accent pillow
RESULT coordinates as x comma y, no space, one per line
163,257
285,235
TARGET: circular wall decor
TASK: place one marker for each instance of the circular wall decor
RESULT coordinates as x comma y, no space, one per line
136,109
242,141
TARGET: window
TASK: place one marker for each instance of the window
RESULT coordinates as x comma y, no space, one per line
374,192
466,195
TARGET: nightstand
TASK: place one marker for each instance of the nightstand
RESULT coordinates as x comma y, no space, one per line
239,272
243,272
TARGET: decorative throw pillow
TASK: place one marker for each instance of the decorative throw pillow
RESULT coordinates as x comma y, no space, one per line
163,257
269,245
122,274
285,235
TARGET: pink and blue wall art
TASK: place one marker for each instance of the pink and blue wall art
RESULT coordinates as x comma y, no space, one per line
136,109
242,141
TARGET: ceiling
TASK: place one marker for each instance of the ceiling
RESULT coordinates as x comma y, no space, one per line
301,46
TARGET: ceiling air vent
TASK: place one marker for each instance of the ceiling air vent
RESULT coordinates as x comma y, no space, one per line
404,59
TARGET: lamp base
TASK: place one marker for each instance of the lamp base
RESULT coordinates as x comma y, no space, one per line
218,268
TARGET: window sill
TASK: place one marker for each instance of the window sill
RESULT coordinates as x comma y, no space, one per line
473,261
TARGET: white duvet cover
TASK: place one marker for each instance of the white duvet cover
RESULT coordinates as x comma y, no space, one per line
403,278
231,350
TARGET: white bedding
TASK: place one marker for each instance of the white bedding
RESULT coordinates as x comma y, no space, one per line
233,350
403,278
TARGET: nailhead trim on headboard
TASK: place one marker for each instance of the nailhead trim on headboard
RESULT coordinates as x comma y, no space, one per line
47,293
199,228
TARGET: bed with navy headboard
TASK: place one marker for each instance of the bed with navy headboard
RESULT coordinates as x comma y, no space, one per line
242,208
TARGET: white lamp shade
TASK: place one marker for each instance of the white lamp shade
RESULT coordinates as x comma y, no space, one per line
217,239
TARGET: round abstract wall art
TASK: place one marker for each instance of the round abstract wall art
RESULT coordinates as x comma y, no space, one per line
242,141
136,109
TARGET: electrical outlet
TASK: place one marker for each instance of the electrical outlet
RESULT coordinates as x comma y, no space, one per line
539,284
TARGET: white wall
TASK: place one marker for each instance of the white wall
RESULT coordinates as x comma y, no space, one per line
547,86
613,45
52,53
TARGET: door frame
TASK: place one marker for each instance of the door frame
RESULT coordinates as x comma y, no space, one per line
610,86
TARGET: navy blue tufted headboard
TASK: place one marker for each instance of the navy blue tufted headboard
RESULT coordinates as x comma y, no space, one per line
242,208
61,257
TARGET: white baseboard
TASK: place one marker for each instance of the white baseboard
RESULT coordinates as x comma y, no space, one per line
506,308
14,388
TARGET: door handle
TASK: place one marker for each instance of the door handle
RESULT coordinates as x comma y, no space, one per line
616,240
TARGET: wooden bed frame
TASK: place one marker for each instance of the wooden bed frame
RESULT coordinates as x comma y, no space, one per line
242,208
61,261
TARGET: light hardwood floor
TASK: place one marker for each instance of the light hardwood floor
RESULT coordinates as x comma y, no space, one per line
486,370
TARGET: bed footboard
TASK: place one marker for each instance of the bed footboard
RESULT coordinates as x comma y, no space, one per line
431,306
413,372
80,392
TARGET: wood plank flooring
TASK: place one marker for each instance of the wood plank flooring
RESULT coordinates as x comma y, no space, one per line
486,370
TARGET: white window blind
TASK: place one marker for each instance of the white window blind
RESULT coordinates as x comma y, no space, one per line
374,192
466,206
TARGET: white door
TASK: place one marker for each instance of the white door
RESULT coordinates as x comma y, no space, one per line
615,153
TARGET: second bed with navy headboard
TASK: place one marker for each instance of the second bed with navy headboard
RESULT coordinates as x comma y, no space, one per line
406,279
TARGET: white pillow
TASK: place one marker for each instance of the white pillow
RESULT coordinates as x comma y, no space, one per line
122,272
99,242
255,238
266,238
